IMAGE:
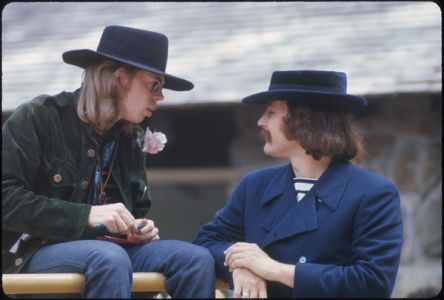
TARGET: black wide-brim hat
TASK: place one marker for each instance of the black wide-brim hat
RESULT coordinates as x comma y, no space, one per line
326,88
142,49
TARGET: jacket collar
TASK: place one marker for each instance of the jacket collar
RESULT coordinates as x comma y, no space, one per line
332,183
327,190
65,99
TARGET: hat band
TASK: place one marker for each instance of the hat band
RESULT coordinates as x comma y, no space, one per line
322,89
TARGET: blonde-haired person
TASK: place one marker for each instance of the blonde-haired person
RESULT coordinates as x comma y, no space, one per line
319,226
74,192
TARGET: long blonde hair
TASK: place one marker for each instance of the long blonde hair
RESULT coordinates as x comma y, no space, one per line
98,97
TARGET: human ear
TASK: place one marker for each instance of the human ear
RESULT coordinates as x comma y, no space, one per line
121,77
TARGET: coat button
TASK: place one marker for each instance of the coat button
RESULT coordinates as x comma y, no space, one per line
84,185
91,153
302,259
18,261
57,178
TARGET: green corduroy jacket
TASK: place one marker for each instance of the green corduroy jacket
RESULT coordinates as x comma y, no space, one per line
48,159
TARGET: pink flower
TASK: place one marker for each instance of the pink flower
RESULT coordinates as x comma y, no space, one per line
154,142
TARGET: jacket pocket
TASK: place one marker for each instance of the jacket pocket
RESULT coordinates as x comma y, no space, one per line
61,176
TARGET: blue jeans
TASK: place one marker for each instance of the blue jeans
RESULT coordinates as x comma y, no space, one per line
108,267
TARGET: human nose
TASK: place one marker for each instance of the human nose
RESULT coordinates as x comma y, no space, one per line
158,96
261,122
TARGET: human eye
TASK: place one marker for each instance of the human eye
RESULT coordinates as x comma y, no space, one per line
158,86
153,86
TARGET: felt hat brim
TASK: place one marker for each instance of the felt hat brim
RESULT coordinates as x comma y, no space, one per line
355,103
83,57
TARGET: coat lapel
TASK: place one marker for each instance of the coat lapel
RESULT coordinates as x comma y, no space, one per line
277,185
286,217
273,199
289,217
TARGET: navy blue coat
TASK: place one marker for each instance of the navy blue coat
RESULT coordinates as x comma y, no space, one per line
344,236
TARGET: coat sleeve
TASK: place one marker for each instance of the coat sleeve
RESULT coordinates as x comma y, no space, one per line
226,228
375,253
23,210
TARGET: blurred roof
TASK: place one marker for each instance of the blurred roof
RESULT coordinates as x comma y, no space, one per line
229,49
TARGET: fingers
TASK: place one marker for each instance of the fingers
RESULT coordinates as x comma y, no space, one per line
148,232
230,256
139,226
149,236
263,293
236,260
253,292
248,285
229,252
239,247
237,255
115,217
122,219
249,256
237,290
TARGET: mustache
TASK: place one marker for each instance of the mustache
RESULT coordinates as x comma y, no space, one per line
266,135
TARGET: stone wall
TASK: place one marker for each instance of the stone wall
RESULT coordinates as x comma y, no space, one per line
404,142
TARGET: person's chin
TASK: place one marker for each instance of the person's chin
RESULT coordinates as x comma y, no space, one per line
140,119
267,150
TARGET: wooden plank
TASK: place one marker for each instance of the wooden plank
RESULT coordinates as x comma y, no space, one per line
44,283
148,282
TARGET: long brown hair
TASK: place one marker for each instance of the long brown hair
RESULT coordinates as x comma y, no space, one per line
98,97
324,131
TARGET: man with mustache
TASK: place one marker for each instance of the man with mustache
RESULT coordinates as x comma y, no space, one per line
318,226
74,192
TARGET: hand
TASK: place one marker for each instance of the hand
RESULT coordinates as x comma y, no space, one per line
251,257
115,217
147,233
248,285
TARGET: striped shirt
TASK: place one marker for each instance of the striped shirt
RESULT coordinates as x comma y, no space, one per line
303,186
